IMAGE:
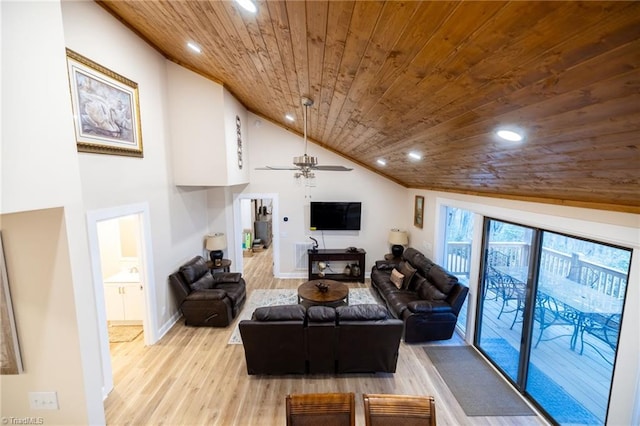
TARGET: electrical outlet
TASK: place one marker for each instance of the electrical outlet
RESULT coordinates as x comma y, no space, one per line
43,400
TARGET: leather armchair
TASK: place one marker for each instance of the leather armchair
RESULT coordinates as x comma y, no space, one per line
207,299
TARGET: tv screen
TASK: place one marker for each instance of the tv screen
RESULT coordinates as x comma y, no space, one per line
335,216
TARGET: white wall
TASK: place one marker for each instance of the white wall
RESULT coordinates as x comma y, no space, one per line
383,202
40,171
178,215
233,109
196,122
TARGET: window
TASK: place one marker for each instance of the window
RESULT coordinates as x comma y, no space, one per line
457,248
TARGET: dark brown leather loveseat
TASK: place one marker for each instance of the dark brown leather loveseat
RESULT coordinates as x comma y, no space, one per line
428,300
205,298
291,339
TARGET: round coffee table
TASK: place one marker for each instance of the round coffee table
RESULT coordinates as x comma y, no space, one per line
337,294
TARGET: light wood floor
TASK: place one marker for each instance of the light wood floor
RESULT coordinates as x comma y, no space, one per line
193,377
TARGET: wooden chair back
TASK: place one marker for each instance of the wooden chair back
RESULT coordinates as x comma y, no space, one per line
405,410
321,409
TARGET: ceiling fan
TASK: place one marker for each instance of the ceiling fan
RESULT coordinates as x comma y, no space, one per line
306,164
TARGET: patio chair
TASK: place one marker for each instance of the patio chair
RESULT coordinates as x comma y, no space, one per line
509,290
406,410
496,258
490,282
321,409
585,276
550,312
591,277
604,327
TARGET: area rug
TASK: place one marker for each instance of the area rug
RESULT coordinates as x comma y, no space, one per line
124,333
564,408
258,298
480,391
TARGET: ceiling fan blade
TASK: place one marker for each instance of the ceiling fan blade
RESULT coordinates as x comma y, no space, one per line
276,168
332,168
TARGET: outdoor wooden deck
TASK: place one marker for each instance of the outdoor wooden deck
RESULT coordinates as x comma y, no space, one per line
585,377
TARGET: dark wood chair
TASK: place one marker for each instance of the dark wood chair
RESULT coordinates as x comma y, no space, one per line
321,409
405,410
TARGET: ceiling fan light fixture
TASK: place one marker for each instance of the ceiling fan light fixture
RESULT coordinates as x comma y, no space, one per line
247,5
305,161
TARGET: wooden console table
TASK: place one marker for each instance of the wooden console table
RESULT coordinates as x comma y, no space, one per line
357,257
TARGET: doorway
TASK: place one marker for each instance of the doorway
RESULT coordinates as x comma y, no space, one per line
256,212
122,269
119,241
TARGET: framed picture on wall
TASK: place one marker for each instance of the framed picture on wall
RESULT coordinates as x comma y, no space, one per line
10,359
106,111
418,211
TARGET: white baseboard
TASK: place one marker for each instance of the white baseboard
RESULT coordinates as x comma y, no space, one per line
292,275
303,275
167,325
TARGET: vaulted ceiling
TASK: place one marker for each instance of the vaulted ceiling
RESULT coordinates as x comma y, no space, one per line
437,78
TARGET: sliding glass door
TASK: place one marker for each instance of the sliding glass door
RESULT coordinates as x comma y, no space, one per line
579,303
549,317
507,249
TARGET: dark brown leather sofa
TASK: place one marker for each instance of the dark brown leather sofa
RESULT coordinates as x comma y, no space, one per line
428,302
291,339
207,299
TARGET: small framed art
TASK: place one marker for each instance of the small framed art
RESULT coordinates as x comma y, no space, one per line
418,211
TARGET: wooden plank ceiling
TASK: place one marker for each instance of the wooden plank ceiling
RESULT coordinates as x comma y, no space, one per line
438,78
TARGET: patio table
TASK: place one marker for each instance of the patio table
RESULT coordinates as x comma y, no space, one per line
581,299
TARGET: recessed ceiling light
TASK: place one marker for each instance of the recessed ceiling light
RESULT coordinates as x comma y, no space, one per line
289,117
415,156
194,47
381,161
510,135
247,5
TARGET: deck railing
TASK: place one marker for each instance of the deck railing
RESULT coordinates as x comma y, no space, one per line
605,279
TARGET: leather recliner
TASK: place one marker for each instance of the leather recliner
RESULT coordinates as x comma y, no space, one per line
207,299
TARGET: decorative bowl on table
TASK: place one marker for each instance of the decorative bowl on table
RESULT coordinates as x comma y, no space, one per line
322,287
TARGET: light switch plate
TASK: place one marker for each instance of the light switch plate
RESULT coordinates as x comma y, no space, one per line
43,400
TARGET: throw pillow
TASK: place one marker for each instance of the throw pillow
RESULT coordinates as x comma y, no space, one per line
408,271
397,278
384,265
205,282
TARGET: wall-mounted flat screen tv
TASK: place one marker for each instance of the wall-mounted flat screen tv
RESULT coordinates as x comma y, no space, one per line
335,216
